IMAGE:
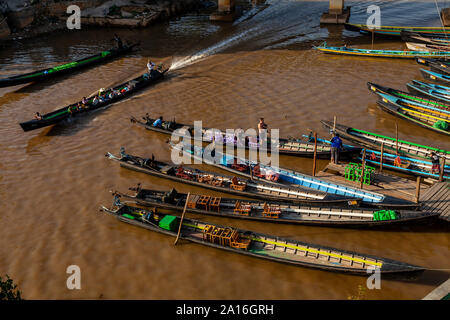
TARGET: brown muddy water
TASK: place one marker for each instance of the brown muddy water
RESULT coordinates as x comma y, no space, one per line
53,180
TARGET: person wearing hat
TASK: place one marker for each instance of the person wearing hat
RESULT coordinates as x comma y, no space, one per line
336,146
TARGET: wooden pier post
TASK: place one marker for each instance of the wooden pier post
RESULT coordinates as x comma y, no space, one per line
419,180
396,138
315,154
381,157
441,169
181,220
334,124
361,184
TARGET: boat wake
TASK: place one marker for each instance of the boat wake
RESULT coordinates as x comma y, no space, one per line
211,50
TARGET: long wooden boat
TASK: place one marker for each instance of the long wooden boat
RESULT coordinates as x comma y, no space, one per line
401,54
438,77
48,73
275,212
430,90
278,176
228,184
428,103
424,38
436,65
434,112
111,96
422,119
407,165
294,147
426,47
259,245
374,141
395,31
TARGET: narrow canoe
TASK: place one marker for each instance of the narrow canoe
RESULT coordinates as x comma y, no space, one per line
381,53
431,103
259,245
422,119
293,147
223,183
436,65
278,176
395,31
71,112
417,37
434,112
411,166
430,90
426,47
260,210
49,73
374,141
438,77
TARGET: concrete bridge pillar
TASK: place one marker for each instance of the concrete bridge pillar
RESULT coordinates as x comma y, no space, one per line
226,11
445,16
337,14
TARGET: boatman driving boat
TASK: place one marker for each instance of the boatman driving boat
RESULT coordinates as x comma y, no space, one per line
118,40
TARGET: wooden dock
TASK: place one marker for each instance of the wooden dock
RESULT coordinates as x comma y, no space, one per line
387,184
434,197
437,199
440,293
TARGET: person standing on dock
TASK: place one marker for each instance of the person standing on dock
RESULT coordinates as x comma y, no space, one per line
435,165
336,146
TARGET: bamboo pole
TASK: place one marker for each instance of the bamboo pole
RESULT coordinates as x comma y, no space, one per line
396,138
181,220
334,124
441,171
419,180
381,157
315,154
361,184
373,36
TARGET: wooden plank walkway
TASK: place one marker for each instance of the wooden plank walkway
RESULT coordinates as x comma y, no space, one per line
387,184
440,293
437,199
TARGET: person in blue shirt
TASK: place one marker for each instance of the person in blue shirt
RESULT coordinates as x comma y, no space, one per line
336,146
158,122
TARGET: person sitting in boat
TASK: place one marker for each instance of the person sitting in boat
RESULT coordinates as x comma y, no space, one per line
336,146
84,101
95,101
150,66
158,122
147,118
123,155
79,106
100,92
38,116
119,41
435,165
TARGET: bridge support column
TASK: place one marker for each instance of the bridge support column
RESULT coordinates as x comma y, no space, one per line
337,14
225,12
445,16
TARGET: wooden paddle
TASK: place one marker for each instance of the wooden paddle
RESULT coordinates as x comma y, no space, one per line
182,217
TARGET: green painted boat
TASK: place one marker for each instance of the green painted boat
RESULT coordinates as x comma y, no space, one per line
258,245
52,72
396,31
401,54
374,141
